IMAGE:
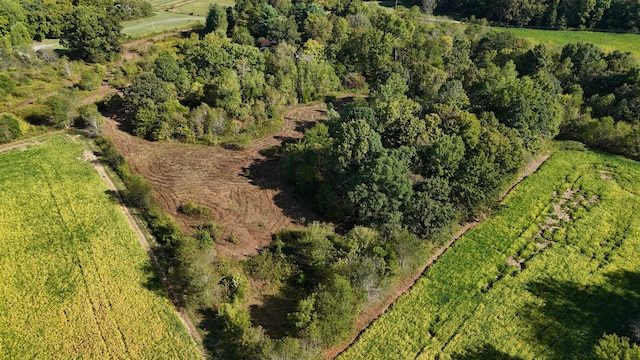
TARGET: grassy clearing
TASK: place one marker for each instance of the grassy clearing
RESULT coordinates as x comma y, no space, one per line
545,278
606,41
76,282
199,7
163,21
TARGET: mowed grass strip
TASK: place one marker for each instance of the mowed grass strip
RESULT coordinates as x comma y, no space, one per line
571,289
76,283
606,41
199,7
162,21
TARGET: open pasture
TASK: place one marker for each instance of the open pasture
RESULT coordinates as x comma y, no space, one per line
199,7
76,283
607,41
162,21
554,270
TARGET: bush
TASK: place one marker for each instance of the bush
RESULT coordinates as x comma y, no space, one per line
92,78
138,192
194,210
214,230
162,226
110,154
9,128
353,81
90,119
7,85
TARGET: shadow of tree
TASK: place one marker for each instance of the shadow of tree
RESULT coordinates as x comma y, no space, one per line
267,173
271,315
485,352
151,281
574,316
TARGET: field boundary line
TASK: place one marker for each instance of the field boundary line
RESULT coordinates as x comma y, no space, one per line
408,284
182,314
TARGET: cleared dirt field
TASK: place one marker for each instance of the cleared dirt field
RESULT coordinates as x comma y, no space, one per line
250,208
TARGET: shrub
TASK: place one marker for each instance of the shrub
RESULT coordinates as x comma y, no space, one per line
92,78
162,226
194,210
9,128
110,154
353,81
7,85
138,192
214,230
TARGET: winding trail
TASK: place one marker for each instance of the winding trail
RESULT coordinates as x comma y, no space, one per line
374,311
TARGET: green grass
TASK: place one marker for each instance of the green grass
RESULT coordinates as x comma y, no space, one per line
606,41
586,282
161,22
163,4
199,7
76,283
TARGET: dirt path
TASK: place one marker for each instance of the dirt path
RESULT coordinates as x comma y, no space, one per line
184,318
22,145
370,314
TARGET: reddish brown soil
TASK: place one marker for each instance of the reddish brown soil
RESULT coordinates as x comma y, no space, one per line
250,208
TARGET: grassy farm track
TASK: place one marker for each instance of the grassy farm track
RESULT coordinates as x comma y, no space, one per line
76,281
544,279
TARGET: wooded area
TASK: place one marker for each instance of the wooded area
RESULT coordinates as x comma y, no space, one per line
442,119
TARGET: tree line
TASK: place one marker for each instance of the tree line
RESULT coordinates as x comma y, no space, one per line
89,29
620,15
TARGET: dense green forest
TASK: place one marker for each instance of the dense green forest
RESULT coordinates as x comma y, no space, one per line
621,15
443,118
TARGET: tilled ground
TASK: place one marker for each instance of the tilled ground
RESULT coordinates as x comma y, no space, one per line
251,208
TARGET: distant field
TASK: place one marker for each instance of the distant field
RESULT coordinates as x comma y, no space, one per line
606,41
554,270
161,22
199,7
75,282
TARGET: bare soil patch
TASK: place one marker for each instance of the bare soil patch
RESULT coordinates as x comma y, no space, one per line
250,208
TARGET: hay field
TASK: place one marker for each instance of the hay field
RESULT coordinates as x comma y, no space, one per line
76,283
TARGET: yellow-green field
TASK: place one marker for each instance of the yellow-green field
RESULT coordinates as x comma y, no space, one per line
76,283
546,278
199,7
161,22
606,41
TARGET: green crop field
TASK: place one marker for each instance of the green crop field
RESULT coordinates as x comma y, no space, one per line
199,7
75,281
606,41
545,278
162,21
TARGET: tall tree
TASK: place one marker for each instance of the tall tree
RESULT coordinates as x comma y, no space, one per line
92,34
